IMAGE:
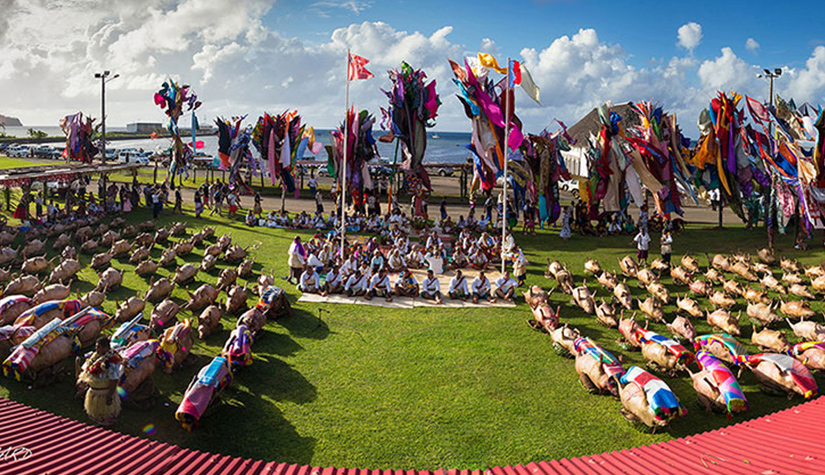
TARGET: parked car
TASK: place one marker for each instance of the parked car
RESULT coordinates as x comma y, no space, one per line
445,171
19,151
322,171
571,186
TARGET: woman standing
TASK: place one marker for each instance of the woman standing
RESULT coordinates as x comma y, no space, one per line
102,371
565,223
297,259
198,203
258,209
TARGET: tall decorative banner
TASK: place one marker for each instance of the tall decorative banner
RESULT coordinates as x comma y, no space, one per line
484,104
233,147
360,149
175,99
413,107
282,140
79,131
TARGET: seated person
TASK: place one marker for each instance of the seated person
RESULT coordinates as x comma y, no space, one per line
333,282
478,259
448,226
356,285
435,261
314,262
415,258
481,288
250,219
349,266
380,286
505,287
458,287
431,288
395,261
309,283
458,260
377,261
406,285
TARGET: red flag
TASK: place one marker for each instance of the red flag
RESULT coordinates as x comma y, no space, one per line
514,73
356,69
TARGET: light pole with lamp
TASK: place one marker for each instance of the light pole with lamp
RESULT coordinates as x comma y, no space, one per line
103,80
770,76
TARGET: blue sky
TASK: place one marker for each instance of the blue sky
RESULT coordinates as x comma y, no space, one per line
645,29
247,57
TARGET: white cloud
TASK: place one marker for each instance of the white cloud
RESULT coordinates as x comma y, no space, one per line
239,66
752,45
690,35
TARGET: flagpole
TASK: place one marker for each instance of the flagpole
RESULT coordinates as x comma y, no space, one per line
344,169
506,146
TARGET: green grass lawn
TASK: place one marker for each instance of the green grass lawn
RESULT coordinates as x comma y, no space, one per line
376,388
7,163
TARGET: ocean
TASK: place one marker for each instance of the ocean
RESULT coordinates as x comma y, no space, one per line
442,147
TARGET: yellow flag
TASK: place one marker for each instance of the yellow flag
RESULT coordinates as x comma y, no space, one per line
488,61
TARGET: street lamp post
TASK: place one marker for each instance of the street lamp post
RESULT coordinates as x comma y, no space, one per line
103,80
770,76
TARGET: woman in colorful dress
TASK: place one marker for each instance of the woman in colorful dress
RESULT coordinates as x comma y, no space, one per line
565,223
101,372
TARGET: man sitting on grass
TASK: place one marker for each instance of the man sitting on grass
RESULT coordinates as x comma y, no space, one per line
356,284
309,283
431,288
458,287
406,285
481,288
333,283
505,287
380,286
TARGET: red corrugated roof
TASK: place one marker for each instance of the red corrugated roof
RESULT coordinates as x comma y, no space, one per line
786,442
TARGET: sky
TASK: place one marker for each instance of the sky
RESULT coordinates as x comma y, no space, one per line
248,57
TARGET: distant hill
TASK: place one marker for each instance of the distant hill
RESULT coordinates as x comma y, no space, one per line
10,121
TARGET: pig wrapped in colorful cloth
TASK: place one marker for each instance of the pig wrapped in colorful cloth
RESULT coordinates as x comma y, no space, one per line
24,354
130,332
12,306
724,380
139,361
273,299
45,312
610,364
681,355
660,398
792,375
810,353
11,336
202,391
722,346
238,347
87,324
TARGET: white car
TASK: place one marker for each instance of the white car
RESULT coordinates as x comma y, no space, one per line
20,151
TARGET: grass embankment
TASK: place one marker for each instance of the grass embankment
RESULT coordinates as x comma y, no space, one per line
409,389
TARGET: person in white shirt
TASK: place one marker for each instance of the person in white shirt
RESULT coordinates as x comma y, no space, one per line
431,288
406,285
435,261
356,284
481,288
642,241
380,286
349,266
458,287
333,282
309,283
520,268
314,262
505,286
458,260
395,261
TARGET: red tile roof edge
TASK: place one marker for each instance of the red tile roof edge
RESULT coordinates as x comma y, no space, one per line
76,448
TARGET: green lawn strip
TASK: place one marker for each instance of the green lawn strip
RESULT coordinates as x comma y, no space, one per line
411,389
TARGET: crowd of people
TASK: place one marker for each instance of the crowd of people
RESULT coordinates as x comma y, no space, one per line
363,268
